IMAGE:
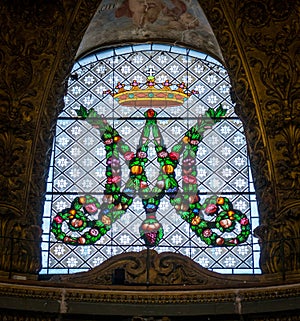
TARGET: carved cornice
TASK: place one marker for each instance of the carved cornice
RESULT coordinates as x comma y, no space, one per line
15,316
143,296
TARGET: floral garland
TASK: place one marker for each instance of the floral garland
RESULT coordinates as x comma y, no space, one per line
186,202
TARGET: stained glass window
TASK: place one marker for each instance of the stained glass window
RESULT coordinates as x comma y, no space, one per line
190,154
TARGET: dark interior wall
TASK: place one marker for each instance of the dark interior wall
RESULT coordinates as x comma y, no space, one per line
260,44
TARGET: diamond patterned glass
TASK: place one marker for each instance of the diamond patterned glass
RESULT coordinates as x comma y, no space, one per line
78,161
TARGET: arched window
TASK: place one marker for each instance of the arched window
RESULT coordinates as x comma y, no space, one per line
149,153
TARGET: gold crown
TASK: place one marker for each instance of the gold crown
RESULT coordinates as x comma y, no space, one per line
152,95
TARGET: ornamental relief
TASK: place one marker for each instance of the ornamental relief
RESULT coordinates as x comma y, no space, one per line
23,76
143,268
28,52
245,105
273,59
276,62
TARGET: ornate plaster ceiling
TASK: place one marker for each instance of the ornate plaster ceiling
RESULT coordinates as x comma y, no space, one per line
128,21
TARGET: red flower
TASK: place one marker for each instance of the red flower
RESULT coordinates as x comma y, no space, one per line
143,184
244,221
234,241
174,156
114,179
58,219
150,113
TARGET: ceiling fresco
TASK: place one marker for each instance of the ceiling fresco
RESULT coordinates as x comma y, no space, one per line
125,21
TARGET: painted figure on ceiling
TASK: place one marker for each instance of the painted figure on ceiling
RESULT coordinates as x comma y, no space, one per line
147,12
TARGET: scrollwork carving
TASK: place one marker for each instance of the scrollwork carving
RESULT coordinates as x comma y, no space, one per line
148,268
270,58
281,247
19,245
38,44
254,13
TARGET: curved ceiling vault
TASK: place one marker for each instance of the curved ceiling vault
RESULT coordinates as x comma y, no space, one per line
128,21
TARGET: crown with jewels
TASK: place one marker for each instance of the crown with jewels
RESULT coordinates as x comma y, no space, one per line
153,95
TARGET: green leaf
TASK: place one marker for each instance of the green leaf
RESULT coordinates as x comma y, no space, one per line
82,112
221,112
210,113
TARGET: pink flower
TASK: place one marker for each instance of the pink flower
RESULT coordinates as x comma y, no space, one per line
108,141
94,232
113,179
91,208
244,221
116,179
207,232
189,179
194,142
211,209
174,155
58,219
162,154
141,154
129,155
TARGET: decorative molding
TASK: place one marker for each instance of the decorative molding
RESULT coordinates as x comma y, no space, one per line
144,295
14,316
